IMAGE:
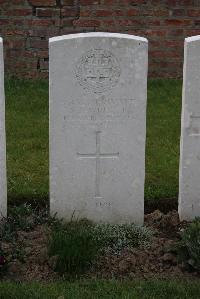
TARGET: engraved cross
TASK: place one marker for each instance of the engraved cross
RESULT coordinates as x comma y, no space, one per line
98,156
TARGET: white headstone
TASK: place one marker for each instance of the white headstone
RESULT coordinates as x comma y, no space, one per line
98,85
3,181
189,179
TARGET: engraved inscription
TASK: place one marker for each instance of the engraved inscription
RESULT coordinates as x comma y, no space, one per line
98,70
98,156
103,204
195,126
101,109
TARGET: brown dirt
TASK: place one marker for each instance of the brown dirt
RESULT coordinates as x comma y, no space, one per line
158,260
35,264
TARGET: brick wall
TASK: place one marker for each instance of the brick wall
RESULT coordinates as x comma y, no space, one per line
26,26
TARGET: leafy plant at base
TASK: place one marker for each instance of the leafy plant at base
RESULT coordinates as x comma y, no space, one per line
115,237
188,248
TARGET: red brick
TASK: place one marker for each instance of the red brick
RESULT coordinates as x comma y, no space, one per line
67,2
42,2
132,12
109,2
118,12
173,44
178,12
156,33
86,23
69,12
43,53
108,23
14,32
39,22
130,22
103,13
39,44
191,32
194,12
89,2
19,12
161,12
178,22
4,21
153,22
15,2
67,22
47,12
85,13
175,32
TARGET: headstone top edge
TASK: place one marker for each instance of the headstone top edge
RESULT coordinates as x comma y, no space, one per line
98,34
192,39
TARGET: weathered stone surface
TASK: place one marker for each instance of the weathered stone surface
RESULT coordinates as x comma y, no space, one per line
3,182
189,189
97,126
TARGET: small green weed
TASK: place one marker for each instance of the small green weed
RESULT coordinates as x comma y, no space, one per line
189,247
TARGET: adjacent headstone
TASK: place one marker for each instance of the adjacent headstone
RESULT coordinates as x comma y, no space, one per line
189,185
98,85
3,181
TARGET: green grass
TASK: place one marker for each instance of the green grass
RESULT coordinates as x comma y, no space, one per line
163,135
27,139
102,289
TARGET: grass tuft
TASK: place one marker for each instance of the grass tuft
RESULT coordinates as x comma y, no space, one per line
74,246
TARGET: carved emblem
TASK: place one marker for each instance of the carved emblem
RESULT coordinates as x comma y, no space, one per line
98,70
